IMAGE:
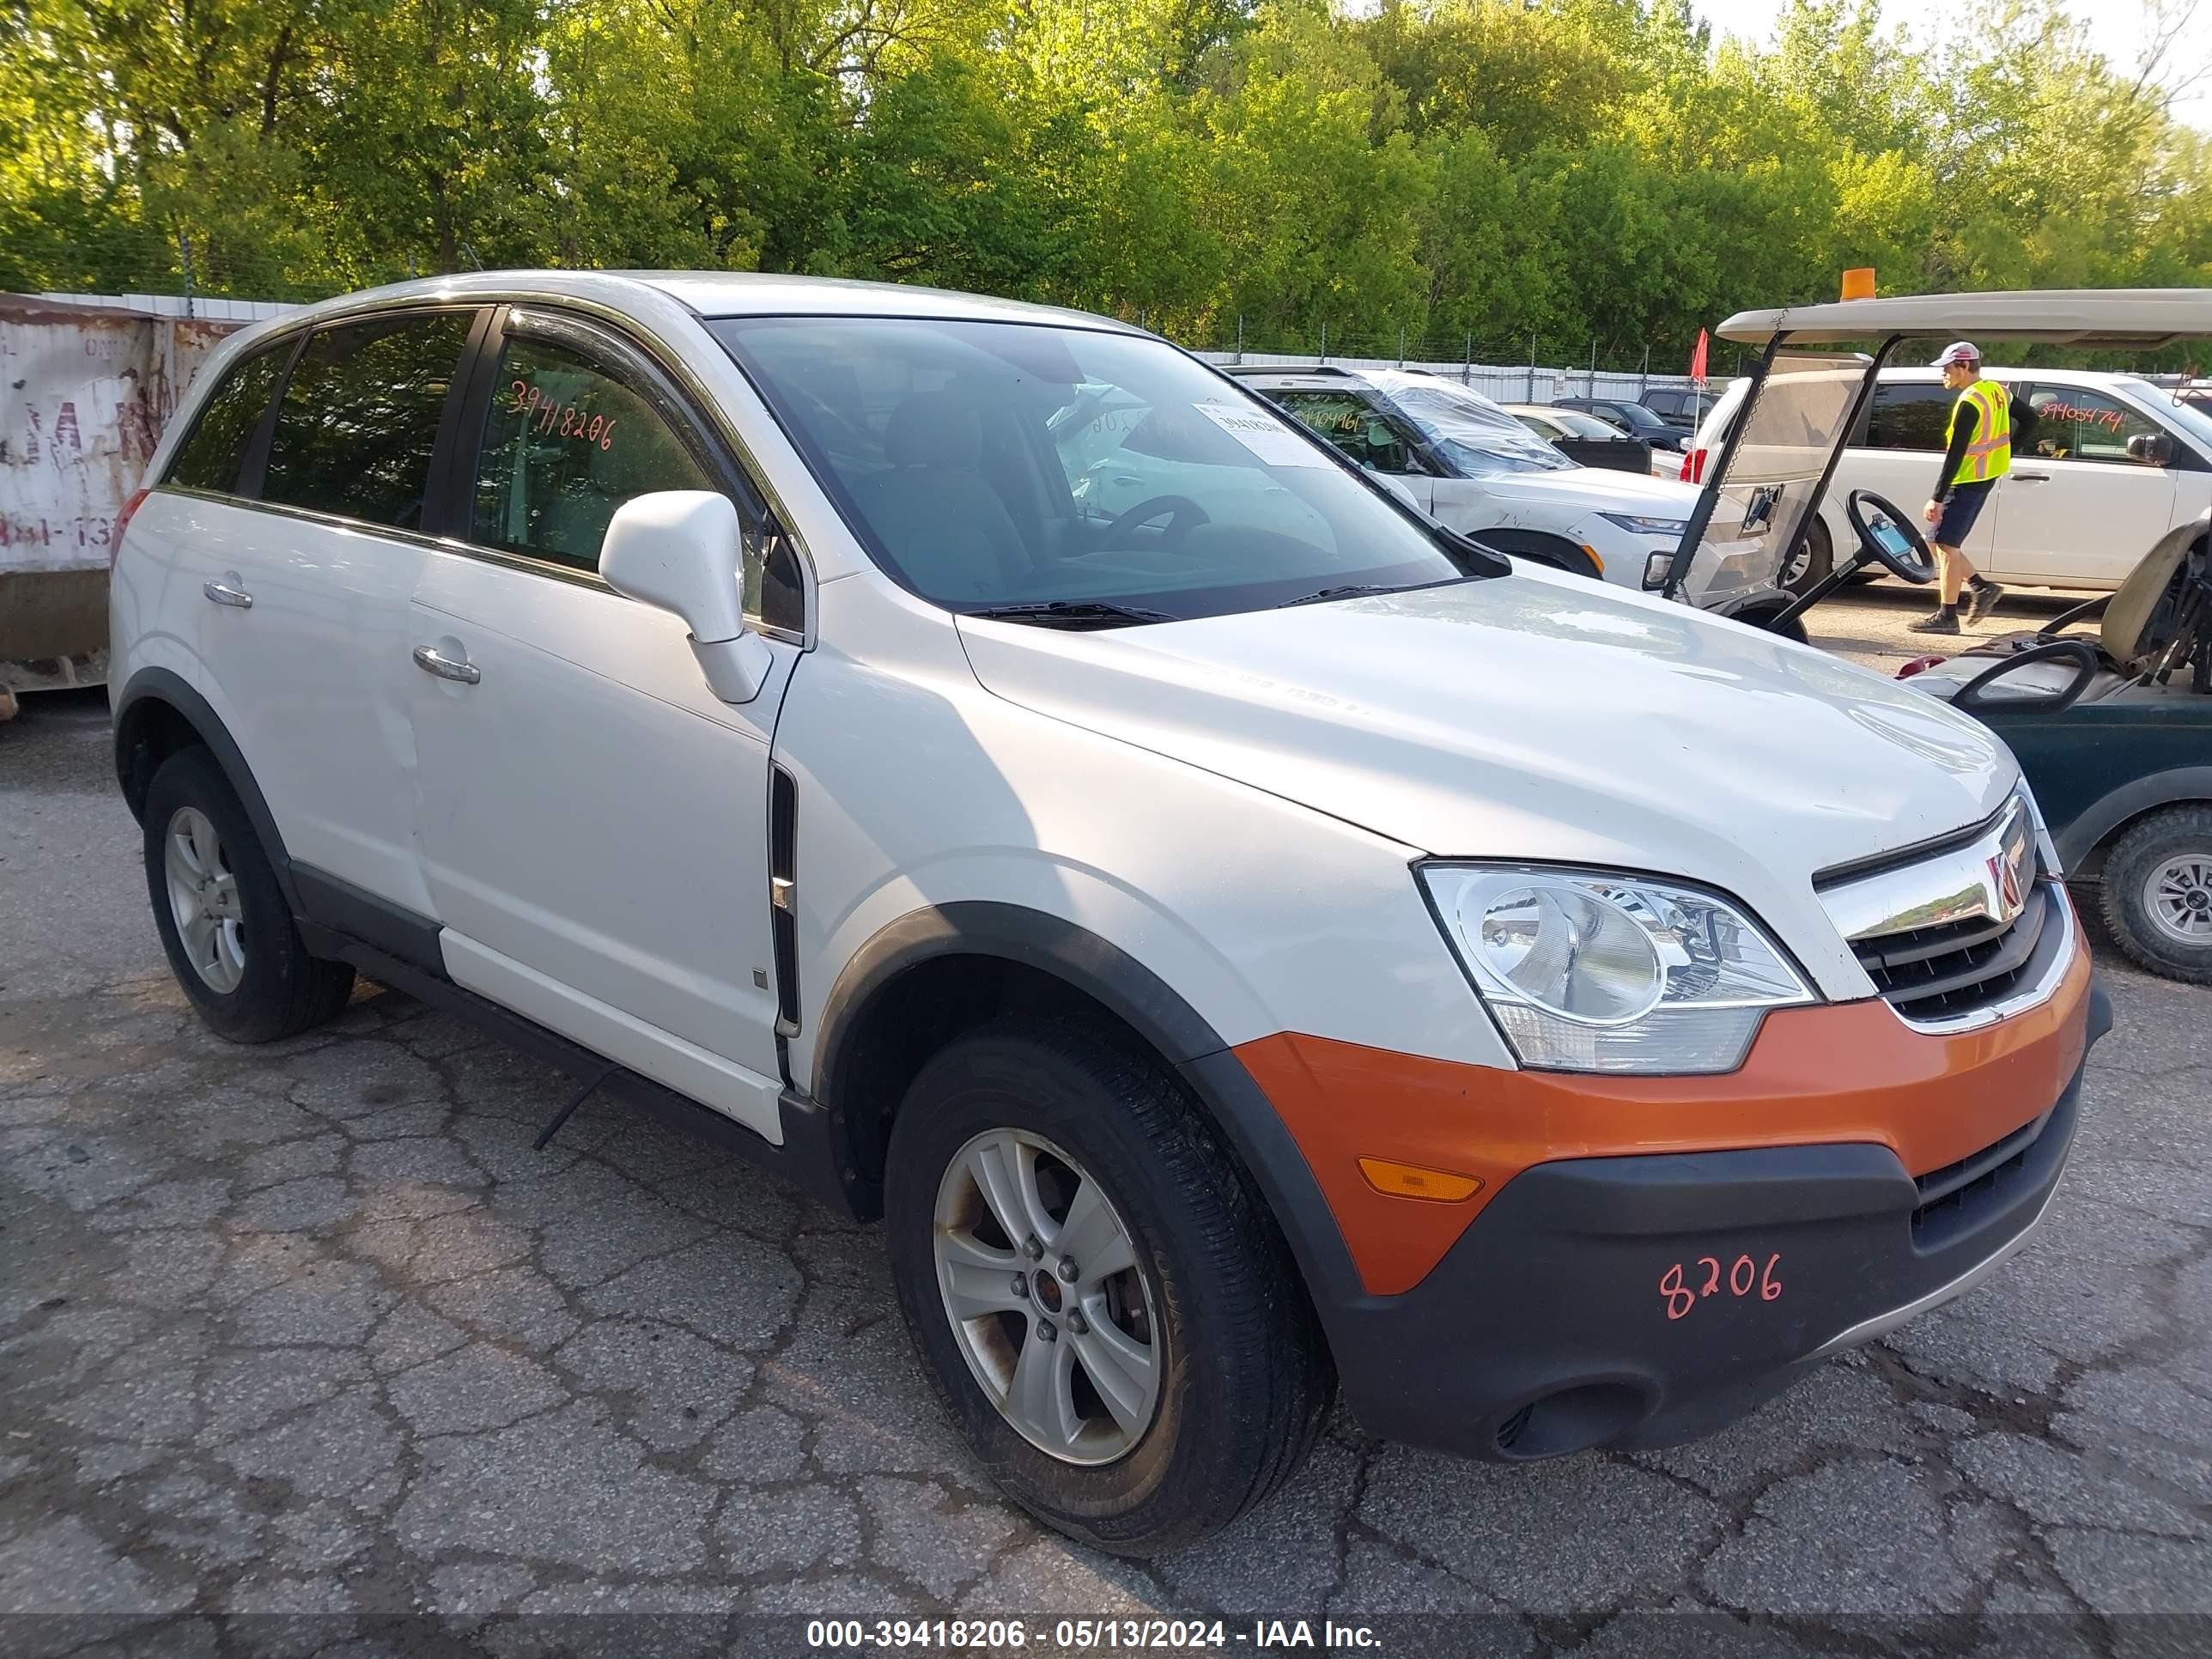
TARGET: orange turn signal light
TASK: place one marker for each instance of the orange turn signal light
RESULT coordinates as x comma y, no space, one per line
1858,283
1413,1181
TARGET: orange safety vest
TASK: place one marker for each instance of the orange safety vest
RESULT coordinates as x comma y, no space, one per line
1990,454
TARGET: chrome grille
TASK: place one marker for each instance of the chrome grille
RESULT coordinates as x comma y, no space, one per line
1959,933
1939,973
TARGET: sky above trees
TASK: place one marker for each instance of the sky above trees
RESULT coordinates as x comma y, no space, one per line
1474,173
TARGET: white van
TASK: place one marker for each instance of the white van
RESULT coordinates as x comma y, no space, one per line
2102,466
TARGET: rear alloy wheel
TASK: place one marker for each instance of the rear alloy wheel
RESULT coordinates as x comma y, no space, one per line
2158,893
1107,1310
223,918
1814,558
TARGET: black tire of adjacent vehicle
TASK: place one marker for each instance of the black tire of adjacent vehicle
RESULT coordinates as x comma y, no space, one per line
2155,838
1249,1382
1820,559
283,990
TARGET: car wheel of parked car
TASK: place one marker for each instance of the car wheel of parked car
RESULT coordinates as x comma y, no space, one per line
2158,893
1814,558
1106,1308
223,918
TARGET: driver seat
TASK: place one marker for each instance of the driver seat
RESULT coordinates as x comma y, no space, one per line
2138,624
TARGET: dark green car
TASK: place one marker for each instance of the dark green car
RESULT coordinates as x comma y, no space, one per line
2113,729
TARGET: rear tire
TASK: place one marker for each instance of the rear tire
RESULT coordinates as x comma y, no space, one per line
222,917
2158,893
1243,1382
1814,559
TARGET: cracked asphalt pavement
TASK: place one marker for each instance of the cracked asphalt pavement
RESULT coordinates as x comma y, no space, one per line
309,1330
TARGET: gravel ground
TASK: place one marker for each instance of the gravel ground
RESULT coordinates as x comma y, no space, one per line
309,1333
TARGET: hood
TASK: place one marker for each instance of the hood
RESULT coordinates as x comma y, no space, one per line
1538,717
1597,490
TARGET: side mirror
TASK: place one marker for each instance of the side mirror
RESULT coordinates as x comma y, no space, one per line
679,550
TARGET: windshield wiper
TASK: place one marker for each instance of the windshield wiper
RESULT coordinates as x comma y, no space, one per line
1350,591
1072,613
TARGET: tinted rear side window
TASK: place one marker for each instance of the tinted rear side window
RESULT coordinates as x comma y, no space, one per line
1911,415
360,418
214,450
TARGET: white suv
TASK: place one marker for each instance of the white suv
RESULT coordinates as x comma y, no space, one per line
1481,471
1256,941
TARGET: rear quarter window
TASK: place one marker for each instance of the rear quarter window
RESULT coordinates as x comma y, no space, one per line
214,449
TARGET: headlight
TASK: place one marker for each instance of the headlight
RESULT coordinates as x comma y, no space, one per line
1638,526
1590,972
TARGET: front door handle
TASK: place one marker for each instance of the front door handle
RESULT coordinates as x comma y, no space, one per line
223,593
2032,478
430,660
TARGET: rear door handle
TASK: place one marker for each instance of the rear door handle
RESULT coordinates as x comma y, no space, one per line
223,593
430,660
2032,478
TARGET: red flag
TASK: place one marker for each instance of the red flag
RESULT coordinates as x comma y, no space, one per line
1697,358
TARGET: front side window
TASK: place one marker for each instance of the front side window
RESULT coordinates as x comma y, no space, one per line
212,453
566,441
2072,423
359,421
1354,426
993,464
1910,414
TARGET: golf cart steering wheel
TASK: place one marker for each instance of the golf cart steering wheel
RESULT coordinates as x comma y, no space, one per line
1918,566
1185,515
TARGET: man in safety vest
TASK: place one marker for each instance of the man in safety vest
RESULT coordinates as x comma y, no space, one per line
1980,452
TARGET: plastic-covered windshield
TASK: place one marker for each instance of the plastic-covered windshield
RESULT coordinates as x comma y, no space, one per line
1475,436
1791,423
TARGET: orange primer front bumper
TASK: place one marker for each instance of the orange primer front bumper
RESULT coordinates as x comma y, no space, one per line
1838,1073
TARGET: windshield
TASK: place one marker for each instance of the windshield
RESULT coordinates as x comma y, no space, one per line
2192,418
986,465
1477,437
1578,424
1788,426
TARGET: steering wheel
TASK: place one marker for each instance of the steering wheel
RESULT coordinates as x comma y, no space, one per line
1918,566
1185,516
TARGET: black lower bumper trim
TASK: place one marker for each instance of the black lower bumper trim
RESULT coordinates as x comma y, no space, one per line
1642,1301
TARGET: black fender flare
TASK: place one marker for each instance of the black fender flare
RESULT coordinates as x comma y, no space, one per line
1148,1005
1542,547
2096,821
149,687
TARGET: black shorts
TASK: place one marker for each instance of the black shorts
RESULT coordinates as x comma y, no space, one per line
1960,512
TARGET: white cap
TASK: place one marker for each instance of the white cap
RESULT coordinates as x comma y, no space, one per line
1960,351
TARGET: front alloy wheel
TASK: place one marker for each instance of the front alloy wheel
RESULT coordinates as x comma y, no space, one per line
1108,1314
1049,1308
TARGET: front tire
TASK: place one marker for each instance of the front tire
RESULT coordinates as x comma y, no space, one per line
222,917
1106,1309
2158,893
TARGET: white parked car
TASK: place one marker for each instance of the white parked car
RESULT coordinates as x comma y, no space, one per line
2103,465
1481,471
1257,941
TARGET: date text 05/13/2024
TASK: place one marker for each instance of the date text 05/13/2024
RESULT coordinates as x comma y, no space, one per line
1084,1634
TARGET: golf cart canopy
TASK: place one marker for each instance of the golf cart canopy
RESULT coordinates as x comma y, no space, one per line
1806,393
2132,317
